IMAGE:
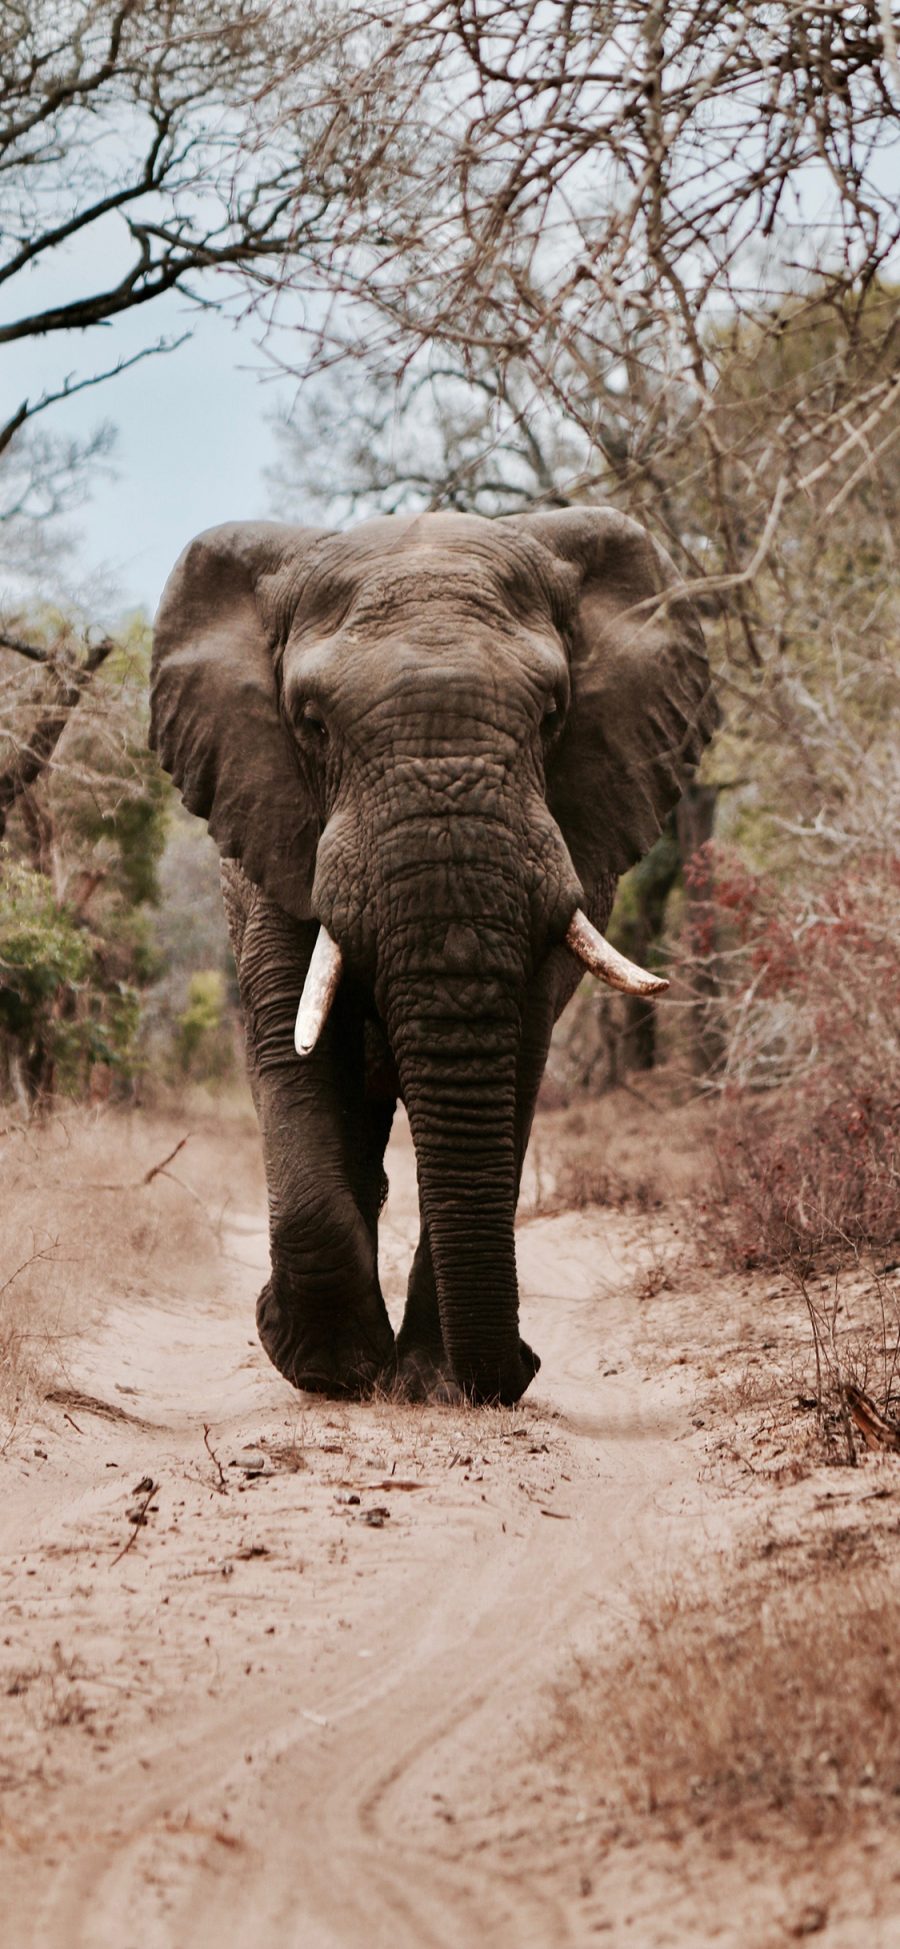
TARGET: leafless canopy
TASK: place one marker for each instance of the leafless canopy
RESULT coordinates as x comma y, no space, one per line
648,254
165,138
575,249
581,207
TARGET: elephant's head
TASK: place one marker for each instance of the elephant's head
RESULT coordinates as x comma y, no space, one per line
441,738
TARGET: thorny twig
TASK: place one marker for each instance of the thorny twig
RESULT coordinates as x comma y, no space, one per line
137,1520
822,1329
222,1483
43,1252
156,1169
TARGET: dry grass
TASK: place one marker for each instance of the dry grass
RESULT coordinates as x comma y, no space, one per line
583,1183
781,1381
782,1700
855,1333
82,1228
628,1148
53,1691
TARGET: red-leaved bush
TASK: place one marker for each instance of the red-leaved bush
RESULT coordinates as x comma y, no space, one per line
805,988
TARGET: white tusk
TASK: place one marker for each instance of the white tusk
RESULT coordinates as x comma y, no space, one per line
589,947
319,990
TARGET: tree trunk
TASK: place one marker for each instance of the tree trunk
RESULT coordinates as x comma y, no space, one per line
695,818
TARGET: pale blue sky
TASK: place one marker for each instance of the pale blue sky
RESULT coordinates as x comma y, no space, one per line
194,434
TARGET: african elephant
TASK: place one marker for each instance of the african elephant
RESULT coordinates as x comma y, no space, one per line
426,748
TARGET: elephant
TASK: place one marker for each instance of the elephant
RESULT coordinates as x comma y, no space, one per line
427,747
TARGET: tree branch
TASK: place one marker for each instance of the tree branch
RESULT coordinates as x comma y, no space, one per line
69,682
29,650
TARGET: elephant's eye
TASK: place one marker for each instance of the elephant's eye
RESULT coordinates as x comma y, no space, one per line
313,723
551,721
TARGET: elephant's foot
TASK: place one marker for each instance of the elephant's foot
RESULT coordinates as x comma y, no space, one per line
423,1374
424,1370
485,1386
344,1358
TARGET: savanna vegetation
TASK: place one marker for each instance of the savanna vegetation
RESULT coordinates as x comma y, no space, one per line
515,253
529,255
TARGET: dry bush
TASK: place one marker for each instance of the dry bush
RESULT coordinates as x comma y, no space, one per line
783,1702
581,1182
624,1150
783,1404
82,1229
855,1329
808,1146
54,1691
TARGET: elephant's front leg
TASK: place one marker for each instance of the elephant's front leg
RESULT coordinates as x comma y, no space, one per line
321,1315
423,1370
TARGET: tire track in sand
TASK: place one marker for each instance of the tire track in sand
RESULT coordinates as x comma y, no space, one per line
358,1783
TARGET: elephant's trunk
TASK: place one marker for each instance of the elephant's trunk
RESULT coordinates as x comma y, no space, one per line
455,949
458,1077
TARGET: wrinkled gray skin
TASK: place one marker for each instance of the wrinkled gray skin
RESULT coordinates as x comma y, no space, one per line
437,736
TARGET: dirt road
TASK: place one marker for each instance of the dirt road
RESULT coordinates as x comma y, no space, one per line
276,1670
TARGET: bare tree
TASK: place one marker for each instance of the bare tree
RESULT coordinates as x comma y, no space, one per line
147,147
588,204
444,434
135,127
648,254
28,750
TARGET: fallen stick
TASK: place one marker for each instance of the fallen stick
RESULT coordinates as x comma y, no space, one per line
877,1430
137,1517
156,1168
222,1484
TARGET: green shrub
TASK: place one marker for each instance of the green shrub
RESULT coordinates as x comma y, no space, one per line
64,1003
203,1041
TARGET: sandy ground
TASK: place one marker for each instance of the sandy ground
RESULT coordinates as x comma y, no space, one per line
304,1699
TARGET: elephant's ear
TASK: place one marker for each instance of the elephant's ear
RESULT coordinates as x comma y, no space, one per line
642,705
215,723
